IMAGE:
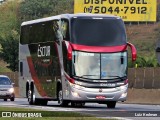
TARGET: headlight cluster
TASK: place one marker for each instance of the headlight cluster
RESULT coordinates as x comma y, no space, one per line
76,86
11,90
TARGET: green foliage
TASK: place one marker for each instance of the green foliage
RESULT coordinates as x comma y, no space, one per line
9,50
33,9
8,18
144,62
9,29
63,6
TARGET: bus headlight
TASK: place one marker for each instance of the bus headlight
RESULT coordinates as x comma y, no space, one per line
75,94
124,95
122,87
76,86
11,90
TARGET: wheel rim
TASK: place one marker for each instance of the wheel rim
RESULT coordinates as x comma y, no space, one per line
29,96
34,98
60,97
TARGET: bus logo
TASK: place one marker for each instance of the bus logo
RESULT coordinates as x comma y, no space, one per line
43,51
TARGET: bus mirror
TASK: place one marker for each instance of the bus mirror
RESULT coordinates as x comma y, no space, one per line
133,50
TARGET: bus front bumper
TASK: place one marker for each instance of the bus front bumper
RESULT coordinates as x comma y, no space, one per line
79,93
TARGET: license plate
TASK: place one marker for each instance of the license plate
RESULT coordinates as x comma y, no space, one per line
100,97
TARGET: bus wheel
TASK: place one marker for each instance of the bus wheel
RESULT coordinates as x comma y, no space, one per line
60,99
111,104
31,97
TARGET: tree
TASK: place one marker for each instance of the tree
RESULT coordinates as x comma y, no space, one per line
9,50
9,17
34,9
9,37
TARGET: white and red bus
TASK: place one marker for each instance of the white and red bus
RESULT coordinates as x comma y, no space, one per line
74,58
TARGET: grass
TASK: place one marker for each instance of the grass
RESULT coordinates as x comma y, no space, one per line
55,118
144,37
56,115
3,67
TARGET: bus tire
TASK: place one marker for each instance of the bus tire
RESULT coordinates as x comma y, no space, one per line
61,102
111,104
27,89
31,95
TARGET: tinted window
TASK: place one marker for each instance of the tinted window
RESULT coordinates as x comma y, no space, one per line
40,32
4,81
24,38
98,32
21,68
49,34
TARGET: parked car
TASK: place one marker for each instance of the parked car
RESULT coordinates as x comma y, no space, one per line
6,88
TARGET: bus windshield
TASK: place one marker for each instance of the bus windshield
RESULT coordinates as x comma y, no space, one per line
98,32
99,65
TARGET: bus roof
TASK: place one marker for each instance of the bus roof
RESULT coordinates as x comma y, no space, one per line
87,15
67,16
40,20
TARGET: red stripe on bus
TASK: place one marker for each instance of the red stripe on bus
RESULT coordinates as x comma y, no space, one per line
40,62
99,48
35,78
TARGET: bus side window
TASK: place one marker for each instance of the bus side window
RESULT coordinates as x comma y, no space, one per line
36,33
49,32
65,29
21,68
24,35
31,35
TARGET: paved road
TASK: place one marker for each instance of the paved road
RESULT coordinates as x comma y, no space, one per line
127,111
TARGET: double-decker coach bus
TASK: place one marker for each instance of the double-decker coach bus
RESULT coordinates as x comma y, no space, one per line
74,58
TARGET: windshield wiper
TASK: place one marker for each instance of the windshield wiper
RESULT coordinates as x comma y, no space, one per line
118,77
83,76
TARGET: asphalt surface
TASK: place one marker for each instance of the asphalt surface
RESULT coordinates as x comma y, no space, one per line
122,110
